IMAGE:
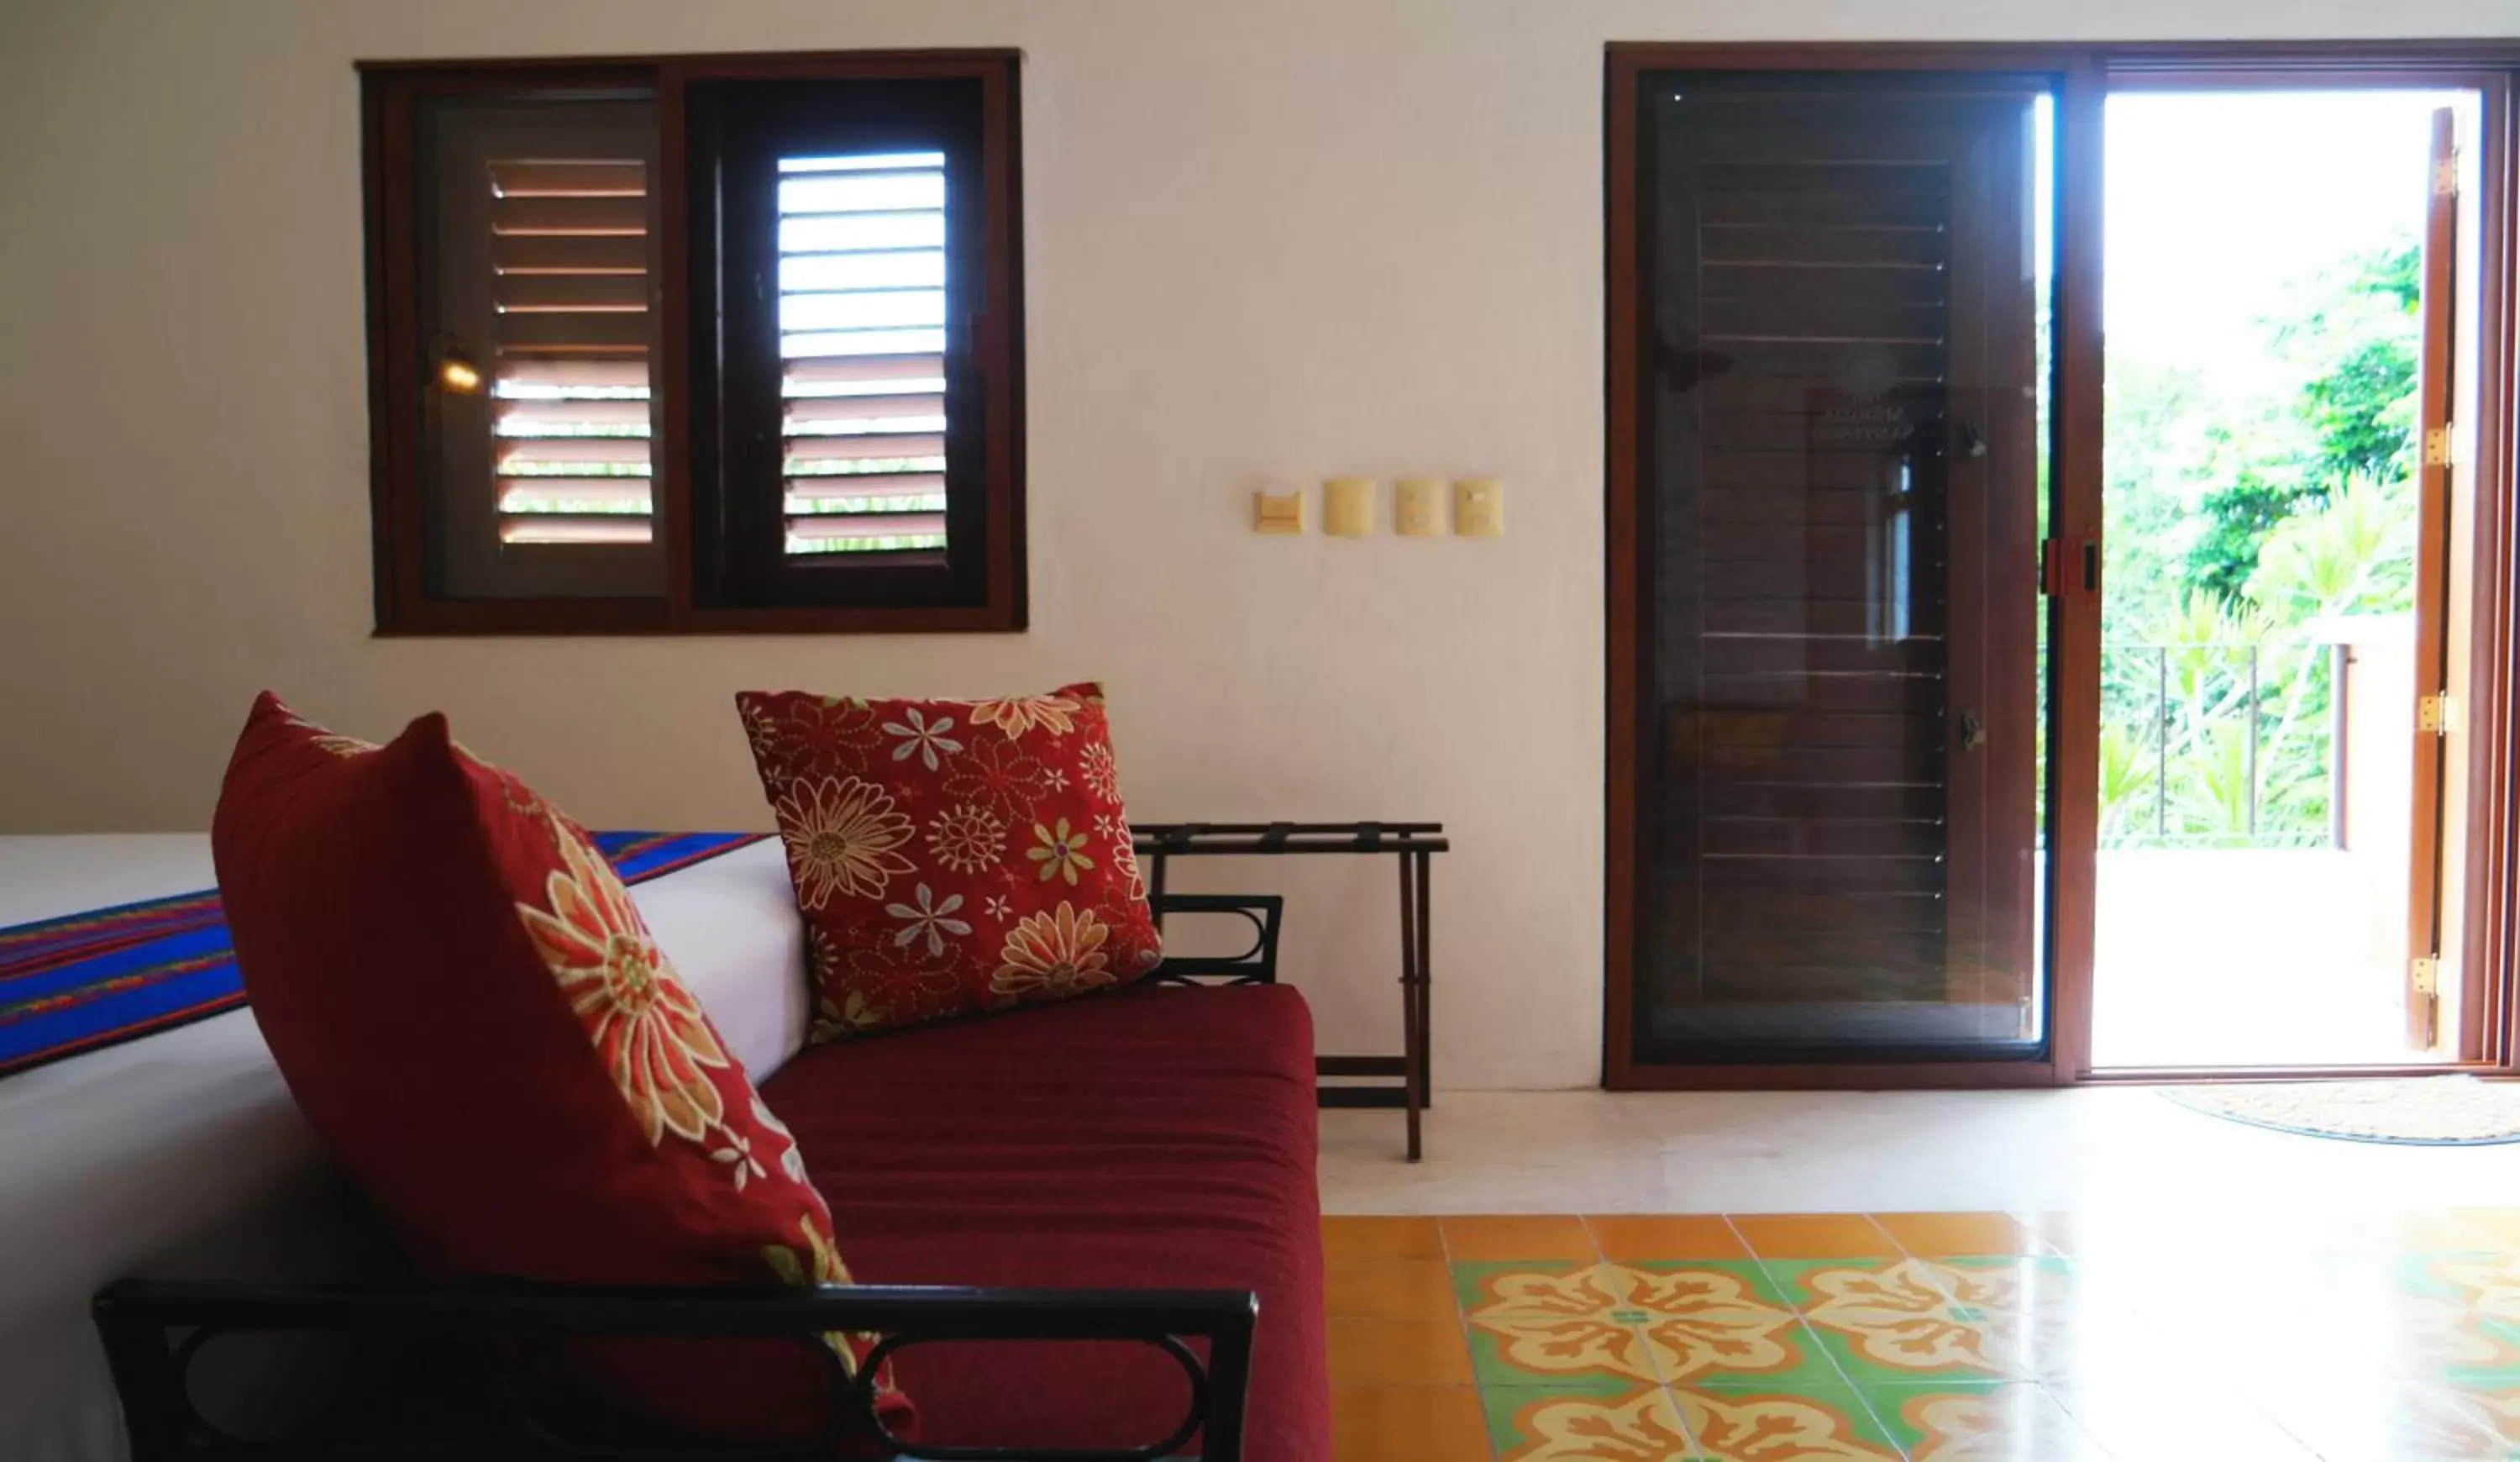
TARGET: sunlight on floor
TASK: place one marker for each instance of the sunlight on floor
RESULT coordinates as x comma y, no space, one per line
1911,1275
2247,957
1871,1338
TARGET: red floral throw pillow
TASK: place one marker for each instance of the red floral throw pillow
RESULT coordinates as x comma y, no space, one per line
474,1017
952,856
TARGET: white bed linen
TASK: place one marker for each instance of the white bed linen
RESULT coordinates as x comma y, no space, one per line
180,1154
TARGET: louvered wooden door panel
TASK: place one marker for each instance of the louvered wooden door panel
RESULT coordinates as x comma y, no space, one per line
1837,605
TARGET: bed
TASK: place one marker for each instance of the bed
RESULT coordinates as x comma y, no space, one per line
180,1154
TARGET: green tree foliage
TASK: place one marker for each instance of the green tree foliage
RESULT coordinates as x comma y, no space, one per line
2238,518
2352,416
2353,556
2364,411
2242,508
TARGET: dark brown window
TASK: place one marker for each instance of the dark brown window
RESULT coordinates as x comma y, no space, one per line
697,345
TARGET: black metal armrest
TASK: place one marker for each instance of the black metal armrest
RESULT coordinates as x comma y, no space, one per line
153,1331
1257,965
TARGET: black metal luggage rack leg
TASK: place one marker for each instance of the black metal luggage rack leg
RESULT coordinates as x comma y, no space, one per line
1406,1080
442,1372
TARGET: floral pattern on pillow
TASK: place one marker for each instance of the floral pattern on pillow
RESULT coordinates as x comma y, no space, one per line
601,1131
952,856
665,1058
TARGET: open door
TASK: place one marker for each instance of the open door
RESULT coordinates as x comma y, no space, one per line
2435,714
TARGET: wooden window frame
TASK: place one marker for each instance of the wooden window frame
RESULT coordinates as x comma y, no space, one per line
389,94
2083,76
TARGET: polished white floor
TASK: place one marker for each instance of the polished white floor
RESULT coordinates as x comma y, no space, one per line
2092,1148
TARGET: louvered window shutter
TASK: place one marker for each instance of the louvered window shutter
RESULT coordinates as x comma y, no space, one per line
570,245
862,346
542,276
813,421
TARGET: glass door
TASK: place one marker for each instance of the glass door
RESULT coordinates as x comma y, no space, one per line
1831,552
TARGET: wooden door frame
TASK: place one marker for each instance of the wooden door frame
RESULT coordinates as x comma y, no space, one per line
2083,76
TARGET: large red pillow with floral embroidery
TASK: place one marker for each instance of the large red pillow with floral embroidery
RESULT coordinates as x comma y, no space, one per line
469,1010
952,856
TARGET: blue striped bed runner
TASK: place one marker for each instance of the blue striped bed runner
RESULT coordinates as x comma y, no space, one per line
92,979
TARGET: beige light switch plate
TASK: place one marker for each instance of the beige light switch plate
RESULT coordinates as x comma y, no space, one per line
1276,512
1347,507
1478,508
1417,507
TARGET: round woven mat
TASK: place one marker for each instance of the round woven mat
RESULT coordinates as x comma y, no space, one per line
2426,1111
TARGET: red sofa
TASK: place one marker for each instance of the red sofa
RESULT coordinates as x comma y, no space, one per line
1160,1137
1063,1218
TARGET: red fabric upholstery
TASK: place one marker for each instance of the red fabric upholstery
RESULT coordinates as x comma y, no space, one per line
952,856
463,999
1147,1138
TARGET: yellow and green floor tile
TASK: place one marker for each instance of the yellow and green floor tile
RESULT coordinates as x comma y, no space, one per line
1923,1338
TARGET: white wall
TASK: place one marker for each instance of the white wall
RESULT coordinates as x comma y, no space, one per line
1266,242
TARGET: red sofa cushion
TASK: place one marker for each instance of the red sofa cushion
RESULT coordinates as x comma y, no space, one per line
952,856
472,1015
1157,1137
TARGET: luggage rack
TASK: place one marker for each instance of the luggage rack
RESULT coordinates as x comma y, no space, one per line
1407,1080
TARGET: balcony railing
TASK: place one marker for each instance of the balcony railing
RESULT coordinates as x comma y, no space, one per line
2219,743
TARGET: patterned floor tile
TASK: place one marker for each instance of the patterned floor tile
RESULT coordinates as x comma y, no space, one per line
1581,1424
1814,1236
1388,1289
2476,1299
1413,1351
1886,1321
1688,1236
1345,1238
1634,1323
1549,1324
2358,1231
2495,1407
1496,1240
1927,1338
2152,1234
1409,1424
2158,1420
2500,1225
1982,1421
1945,1235
2042,1320
2352,1418
2408,1318
2212,1289
1758,1424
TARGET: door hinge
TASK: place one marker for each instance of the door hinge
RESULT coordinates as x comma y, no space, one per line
2438,450
2423,972
2445,177
2436,714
